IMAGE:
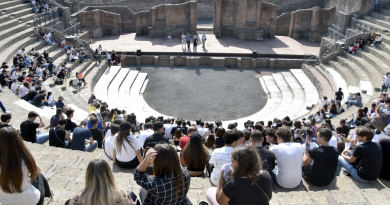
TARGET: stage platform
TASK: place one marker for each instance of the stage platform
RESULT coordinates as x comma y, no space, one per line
279,45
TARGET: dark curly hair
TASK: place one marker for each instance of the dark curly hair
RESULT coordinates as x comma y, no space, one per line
249,162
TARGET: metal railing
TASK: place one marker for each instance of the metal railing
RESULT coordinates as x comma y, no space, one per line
72,32
336,36
46,18
361,26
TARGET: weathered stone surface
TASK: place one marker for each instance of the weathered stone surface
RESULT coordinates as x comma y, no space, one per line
311,23
100,23
244,19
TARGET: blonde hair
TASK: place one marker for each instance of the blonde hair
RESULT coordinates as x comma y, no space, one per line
100,187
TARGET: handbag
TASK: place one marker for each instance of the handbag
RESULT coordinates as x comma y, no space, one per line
104,148
379,124
63,142
263,191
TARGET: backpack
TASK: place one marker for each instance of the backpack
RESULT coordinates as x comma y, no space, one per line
96,51
71,82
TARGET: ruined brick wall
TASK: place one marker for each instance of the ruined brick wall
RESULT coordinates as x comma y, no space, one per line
247,19
311,23
293,5
100,23
127,16
167,19
283,24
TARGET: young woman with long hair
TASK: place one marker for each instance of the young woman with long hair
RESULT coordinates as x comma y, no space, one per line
209,136
169,183
247,183
20,180
194,156
177,136
112,115
126,148
100,188
219,141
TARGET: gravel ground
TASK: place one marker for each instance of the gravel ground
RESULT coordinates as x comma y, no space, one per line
204,92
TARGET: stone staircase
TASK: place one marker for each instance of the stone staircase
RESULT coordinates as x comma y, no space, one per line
164,60
246,62
363,71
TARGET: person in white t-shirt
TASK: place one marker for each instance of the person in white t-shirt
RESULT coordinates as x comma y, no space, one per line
202,129
15,75
221,156
148,130
204,40
168,127
15,85
107,142
23,90
386,82
126,148
378,40
109,59
32,187
288,172
99,52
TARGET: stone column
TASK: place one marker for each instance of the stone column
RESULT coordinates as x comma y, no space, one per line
217,18
65,16
343,21
193,16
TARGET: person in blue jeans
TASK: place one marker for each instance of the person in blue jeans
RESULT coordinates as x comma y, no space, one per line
3,108
82,138
376,7
357,100
29,127
188,39
367,158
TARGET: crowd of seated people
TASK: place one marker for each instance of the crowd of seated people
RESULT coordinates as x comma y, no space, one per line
243,159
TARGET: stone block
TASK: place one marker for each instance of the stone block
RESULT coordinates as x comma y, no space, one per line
271,35
147,60
192,61
254,61
241,36
171,60
218,62
238,62
230,62
179,61
155,60
138,58
295,36
114,32
272,63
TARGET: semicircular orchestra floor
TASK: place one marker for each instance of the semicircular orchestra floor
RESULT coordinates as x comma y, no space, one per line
204,93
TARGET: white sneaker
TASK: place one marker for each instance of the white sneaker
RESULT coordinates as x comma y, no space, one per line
52,197
8,112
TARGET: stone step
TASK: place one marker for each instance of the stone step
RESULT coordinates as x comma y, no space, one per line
381,52
380,29
7,4
15,23
15,8
287,94
349,77
384,12
113,89
359,72
16,14
377,21
164,63
124,90
368,68
384,46
374,60
380,16
311,93
101,87
337,79
319,68
299,96
65,58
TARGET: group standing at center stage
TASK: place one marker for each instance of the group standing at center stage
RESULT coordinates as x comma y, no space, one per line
186,38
